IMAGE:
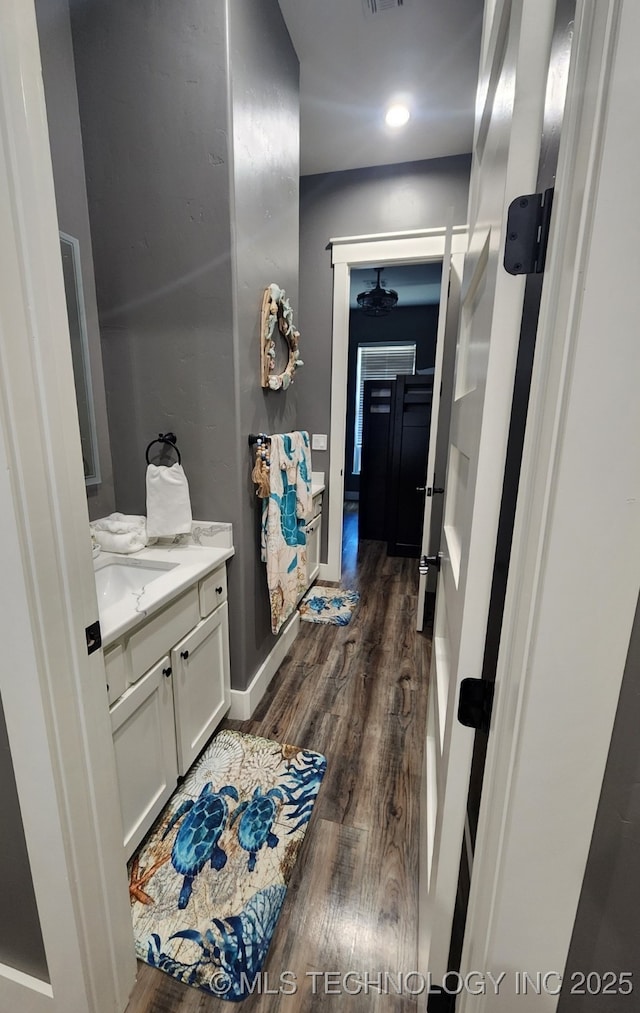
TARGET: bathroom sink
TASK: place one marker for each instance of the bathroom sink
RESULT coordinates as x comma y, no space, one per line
117,578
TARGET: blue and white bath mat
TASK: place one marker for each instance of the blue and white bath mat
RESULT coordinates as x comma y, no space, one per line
331,605
208,883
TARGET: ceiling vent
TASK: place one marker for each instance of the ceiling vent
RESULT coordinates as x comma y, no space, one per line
378,6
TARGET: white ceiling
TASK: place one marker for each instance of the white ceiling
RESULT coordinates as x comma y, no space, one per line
352,64
416,284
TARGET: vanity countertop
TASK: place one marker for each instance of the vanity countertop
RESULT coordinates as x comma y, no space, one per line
193,563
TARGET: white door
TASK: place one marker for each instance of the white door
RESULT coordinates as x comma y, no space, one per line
452,266
513,71
201,684
433,428
53,693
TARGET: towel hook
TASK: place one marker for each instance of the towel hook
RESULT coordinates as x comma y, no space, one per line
168,439
259,438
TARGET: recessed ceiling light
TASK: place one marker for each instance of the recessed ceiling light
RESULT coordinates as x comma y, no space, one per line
397,115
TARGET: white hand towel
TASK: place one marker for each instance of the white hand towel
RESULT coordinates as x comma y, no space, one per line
168,502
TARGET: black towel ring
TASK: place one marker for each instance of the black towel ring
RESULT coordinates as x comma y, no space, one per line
168,439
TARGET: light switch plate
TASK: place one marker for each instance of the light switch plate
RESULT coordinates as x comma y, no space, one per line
319,441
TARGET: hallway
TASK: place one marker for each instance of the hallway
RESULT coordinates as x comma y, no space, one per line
357,694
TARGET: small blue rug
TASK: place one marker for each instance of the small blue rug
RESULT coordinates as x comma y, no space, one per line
208,882
331,605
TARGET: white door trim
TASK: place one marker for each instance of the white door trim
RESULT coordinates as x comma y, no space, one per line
564,641
358,251
53,693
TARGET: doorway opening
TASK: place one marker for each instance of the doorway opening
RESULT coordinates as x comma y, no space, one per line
391,364
349,255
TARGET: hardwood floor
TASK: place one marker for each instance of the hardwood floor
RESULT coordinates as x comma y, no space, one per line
357,694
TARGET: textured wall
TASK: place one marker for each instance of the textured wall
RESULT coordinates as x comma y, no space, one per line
266,165
359,202
607,927
152,86
192,174
58,74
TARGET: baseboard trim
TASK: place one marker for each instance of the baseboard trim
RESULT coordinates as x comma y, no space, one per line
325,573
244,702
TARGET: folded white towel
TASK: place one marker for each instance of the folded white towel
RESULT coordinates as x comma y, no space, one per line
120,524
168,502
133,541
123,533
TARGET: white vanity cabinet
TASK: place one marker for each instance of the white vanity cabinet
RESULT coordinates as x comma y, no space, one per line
144,744
201,690
313,548
313,531
174,668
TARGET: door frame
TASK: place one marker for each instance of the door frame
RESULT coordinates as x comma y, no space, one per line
409,247
557,687
53,693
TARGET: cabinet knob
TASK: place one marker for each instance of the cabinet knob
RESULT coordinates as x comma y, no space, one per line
184,654
218,590
166,671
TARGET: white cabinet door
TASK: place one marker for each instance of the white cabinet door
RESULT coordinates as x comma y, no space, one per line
313,548
144,744
201,684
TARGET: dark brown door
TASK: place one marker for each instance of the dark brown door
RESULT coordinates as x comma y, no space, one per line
376,431
409,442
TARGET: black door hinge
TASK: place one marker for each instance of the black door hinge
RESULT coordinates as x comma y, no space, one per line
475,703
427,561
94,637
527,233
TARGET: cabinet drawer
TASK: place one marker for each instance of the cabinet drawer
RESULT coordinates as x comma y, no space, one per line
158,636
115,664
313,526
213,590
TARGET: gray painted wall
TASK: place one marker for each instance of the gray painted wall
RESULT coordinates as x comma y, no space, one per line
266,171
21,944
607,927
192,174
359,202
155,135
58,74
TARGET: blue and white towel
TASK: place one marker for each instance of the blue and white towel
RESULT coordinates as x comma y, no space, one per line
284,516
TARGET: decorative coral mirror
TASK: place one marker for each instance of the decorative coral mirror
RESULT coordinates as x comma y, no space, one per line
277,314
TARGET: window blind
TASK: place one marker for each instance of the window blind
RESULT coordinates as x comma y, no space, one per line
378,362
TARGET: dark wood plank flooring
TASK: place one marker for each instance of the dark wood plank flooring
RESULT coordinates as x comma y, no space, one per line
357,694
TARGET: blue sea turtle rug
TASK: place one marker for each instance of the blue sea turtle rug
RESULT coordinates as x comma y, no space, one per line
331,605
208,882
